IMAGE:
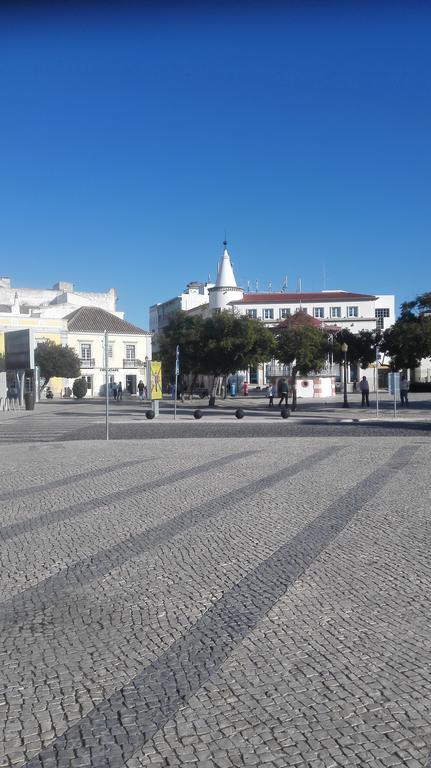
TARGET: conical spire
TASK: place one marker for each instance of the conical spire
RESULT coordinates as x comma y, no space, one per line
225,275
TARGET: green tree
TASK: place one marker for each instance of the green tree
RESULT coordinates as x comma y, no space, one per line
183,330
56,360
409,339
216,346
231,343
303,346
361,347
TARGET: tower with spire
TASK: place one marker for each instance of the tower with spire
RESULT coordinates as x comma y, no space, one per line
225,289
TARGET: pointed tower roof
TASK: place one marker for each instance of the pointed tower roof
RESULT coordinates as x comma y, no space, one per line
225,275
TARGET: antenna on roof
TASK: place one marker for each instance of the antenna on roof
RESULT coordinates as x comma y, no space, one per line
248,286
270,286
257,285
299,285
284,286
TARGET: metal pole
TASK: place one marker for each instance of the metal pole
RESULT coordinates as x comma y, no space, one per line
376,375
175,394
395,394
107,384
345,403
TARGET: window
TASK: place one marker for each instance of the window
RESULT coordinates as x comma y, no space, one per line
318,312
89,380
285,312
352,312
130,351
251,313
304,310
85,351
268,314
380,315
335,311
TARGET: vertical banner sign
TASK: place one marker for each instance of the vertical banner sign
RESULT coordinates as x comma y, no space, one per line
156,380
177,371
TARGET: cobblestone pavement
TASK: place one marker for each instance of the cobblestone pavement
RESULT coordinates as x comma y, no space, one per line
71,420
216,603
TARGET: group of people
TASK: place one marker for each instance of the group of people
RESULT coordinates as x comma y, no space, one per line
364,388
274,391
117,391
283,389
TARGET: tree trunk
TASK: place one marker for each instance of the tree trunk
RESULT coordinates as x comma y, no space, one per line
293,380
212,399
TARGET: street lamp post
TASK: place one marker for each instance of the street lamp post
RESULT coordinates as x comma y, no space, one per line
344,348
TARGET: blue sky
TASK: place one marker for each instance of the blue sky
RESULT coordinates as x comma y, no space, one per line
133,139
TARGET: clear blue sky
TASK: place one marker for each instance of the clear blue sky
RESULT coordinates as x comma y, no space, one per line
131,140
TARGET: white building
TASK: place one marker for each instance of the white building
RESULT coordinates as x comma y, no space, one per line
195,295
129,349
354,311
78,319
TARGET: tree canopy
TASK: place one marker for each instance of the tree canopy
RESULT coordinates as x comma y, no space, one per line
56,360
217,346
302,345
409,339
361,346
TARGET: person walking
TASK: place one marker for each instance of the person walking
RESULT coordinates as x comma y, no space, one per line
284,391
404,391
272,391
120,391
141,389
365,392
114,390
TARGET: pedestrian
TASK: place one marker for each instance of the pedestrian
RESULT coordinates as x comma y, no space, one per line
272,391
246,389
284,391
404,391
120,391
114,390
365,392
141,389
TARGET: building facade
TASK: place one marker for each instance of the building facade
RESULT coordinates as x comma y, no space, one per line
79,320
332,308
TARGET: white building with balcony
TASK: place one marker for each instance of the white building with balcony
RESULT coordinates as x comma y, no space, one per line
129,349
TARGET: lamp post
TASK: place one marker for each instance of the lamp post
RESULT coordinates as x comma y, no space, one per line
344,348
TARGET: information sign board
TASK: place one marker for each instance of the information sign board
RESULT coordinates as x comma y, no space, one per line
19,350
156,380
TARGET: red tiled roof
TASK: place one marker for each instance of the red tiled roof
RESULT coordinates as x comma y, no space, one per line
298,298
97,320
301,318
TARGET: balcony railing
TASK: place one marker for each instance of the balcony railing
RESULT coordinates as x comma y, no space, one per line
88,362
135,363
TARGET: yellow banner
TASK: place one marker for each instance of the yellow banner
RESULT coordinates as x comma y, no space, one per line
156,380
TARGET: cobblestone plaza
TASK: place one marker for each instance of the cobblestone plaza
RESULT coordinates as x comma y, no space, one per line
216,602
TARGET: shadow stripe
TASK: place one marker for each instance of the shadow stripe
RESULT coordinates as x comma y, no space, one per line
19,493
55,588
124,722
89,505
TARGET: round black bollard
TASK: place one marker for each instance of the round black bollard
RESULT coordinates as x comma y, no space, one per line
239,413
150,414
197,414
284,413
